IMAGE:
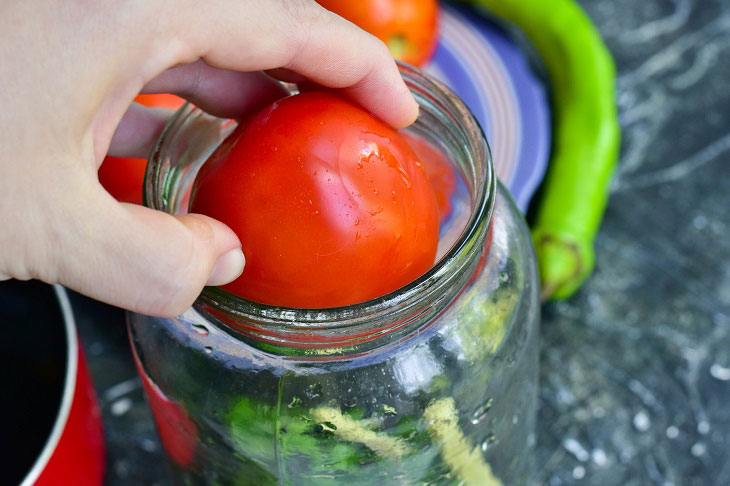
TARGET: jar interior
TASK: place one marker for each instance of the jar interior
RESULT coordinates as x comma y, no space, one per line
194,136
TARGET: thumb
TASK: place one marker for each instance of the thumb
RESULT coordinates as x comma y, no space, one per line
145,260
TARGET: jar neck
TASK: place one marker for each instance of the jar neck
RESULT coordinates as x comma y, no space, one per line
353,330
445,122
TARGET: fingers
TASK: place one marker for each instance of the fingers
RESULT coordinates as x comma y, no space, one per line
286,75
306,42
154,263
304,38
145,260
137,131
220,92
227,94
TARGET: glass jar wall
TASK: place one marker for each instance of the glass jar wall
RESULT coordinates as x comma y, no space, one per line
435,383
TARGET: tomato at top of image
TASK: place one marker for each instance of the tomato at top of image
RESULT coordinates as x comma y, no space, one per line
331,205
123,177
408,27
160,100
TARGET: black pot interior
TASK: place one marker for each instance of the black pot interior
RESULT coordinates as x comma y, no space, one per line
33,358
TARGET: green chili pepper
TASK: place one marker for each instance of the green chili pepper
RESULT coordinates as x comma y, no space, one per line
586,136
260,433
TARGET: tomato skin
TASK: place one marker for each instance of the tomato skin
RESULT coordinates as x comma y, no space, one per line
123,178
408,27
331,205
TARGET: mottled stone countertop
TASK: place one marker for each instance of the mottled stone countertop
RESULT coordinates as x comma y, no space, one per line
635,368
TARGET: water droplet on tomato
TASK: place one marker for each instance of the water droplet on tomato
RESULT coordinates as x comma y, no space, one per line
404,177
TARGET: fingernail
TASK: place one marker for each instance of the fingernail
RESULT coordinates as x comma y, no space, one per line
228,268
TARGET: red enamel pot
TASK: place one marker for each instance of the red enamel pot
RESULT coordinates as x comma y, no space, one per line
52,416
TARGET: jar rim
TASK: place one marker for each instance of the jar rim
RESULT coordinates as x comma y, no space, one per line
397,305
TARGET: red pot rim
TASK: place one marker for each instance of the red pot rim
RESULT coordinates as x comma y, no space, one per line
69,387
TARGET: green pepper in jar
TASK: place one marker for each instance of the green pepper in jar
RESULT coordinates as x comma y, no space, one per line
351,430
331,441
324,438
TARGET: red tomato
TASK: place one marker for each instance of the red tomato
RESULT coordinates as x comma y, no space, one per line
123,178
331,205
162,100
408,27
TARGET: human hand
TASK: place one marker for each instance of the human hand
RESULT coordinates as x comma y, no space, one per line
71,71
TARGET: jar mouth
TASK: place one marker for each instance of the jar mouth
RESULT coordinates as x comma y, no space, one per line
441,106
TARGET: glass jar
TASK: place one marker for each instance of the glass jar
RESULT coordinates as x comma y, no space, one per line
435,383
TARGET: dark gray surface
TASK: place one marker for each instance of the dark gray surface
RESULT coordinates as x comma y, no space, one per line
636,367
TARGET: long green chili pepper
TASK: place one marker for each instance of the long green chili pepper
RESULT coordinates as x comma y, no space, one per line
586,136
